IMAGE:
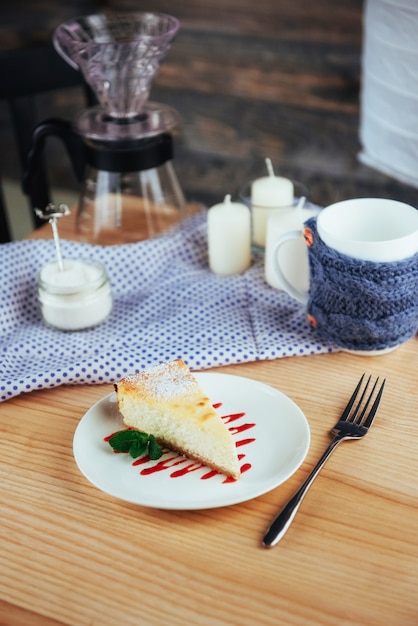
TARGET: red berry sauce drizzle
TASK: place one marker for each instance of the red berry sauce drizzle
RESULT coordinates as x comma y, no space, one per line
179,465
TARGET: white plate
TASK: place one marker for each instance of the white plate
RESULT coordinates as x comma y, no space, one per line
271,433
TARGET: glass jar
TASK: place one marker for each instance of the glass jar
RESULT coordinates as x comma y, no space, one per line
76,297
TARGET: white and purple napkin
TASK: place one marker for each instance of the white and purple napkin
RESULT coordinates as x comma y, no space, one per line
167,304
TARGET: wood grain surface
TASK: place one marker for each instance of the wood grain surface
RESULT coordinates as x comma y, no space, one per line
71,554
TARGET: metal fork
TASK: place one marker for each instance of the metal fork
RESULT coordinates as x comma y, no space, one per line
351,425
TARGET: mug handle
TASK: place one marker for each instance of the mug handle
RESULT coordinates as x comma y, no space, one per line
301,296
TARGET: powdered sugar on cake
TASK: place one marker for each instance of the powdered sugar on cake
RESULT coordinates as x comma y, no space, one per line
164,381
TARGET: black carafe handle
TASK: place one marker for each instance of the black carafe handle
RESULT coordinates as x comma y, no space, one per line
73,142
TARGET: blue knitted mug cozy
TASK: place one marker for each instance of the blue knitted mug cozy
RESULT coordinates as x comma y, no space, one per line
360,305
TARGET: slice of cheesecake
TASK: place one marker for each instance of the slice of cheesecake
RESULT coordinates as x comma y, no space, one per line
166,400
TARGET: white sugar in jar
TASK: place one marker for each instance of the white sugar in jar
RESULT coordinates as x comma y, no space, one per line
75,297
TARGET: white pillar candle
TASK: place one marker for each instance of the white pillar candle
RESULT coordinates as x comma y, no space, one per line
229,237
76,296
268,193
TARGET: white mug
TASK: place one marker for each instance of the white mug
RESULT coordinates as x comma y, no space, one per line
369,229
362,274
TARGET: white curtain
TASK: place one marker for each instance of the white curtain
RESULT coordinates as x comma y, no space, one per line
389,89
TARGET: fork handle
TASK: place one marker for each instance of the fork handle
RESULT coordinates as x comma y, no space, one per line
283,520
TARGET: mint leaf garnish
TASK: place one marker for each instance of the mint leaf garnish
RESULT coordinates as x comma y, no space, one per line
124,439
136,443
138,448
154,449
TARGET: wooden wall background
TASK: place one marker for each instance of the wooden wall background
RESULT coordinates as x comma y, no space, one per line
250,79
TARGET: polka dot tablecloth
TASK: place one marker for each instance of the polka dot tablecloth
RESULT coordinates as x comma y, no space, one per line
167,304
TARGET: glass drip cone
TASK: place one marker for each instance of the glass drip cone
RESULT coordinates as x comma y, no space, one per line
119,55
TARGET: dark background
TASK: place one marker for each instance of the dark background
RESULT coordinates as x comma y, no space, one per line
276,78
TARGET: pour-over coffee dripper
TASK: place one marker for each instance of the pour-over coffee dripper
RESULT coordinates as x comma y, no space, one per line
130,190
119,56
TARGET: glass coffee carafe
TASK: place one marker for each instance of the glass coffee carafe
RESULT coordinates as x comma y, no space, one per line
130,190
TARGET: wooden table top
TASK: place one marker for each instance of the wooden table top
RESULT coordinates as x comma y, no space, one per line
71,554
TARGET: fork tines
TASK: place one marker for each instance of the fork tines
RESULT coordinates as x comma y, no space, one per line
356,417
